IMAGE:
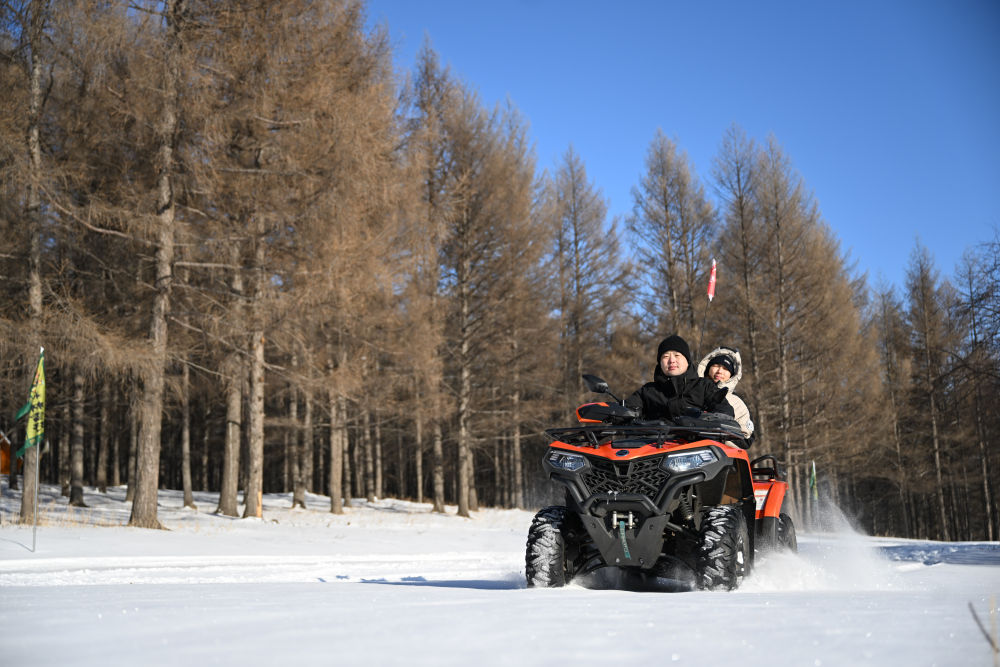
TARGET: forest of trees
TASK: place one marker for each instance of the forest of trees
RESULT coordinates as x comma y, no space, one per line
260,260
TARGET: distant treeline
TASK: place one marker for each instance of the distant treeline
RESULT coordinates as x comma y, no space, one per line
261,260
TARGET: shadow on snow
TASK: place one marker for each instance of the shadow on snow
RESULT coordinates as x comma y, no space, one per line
965,553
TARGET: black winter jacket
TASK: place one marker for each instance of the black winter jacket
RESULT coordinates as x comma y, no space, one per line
671,397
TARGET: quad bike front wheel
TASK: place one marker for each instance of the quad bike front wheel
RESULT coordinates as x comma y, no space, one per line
545,557
723,557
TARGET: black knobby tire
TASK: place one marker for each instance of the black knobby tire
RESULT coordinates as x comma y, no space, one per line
766,539
786,534
545,557
723,557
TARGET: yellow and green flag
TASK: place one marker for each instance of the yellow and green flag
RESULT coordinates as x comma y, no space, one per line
35,408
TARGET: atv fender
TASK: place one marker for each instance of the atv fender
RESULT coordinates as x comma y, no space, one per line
769,496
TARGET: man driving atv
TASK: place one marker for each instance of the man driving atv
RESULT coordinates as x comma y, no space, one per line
676,389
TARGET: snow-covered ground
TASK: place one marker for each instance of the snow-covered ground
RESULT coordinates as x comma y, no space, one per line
390,583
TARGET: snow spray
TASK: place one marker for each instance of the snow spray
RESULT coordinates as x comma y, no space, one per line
834,556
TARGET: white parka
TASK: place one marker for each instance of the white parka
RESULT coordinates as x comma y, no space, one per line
739,407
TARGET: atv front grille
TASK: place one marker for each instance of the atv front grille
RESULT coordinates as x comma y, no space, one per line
643,476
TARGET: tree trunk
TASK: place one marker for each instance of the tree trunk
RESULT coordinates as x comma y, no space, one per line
35,27
741,188
205,443
978,409
321,472
151,401
366,440
64,452
144,503
418,457
900,465
90,444
346,453
929,386
498,490
507,480
379,462
358,462
76,444
438,462
229,492
291,463
12,482
307,469
938,470
338,437
115,444
133,450
307,440
518,472
186,435
984,469
464,398
104,431
300,434
471,477
786,414
400,466
253,496
290,440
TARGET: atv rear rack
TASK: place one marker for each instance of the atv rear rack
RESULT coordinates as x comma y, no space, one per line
596,435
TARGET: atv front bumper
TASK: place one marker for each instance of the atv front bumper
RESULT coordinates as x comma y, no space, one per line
628,507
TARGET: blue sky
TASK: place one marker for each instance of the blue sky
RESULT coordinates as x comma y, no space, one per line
889,109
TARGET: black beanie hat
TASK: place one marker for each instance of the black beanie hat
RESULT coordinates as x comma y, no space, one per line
675,343
723,360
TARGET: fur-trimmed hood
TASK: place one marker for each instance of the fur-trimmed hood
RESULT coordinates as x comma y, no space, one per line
734,356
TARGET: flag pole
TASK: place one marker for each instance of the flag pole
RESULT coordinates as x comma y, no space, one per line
711,295
34,434
10,468
38,464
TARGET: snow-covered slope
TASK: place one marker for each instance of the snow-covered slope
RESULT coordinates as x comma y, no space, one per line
391,583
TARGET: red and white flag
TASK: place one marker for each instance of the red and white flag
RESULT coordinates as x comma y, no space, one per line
711,282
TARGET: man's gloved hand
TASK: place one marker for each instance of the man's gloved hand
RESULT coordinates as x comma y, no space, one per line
720,396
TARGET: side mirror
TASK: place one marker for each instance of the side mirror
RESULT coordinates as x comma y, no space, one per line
597,385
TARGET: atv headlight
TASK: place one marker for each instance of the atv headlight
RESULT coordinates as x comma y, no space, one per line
689,460
566,461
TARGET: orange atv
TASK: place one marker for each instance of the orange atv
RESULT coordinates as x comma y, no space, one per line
675,500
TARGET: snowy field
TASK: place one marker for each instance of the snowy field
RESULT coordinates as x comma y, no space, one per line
391,583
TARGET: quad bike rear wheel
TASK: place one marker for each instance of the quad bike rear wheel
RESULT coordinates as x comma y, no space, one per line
786,534
723,557
545,557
